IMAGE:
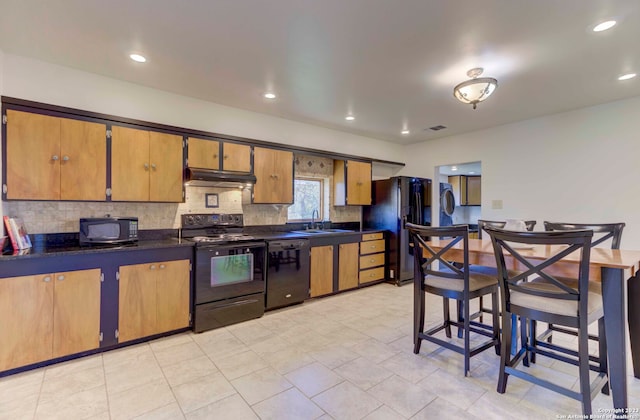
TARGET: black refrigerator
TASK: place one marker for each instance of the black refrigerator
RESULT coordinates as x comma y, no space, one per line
398,200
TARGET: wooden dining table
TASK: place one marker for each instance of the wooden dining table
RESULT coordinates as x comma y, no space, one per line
617,271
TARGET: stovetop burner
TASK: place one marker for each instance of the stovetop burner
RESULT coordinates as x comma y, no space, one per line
225,237
213,228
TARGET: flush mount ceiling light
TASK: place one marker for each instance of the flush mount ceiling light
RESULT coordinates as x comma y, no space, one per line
405,132
349,118
627,76
604,26
475,90
137,57
270,95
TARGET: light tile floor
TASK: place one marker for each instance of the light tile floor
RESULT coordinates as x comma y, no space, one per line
343,357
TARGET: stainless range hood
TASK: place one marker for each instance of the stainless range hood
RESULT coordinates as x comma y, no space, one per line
200,177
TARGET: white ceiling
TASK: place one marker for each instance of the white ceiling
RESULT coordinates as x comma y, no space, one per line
392,63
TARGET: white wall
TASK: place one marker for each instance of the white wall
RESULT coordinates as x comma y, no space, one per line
579,166
35,80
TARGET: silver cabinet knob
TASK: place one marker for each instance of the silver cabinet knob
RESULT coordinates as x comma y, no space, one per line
152,267
47,279
65,158
60,278
153,166
54,157
146,166
162,266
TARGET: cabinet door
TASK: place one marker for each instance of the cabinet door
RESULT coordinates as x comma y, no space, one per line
129,164
76,312
274,176
83,160
236,157
474,195
321,282
204,153
165,160
348,256
172,290
33,156
358,183
26,320
456,185
137,301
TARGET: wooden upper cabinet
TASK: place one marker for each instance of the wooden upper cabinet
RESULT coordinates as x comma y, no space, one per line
474,192
51,158
204,153
165,176
351,182
129,164
236,157
466,190
274,176
145,166
83,160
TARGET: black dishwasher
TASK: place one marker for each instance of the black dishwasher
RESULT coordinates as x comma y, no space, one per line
287,273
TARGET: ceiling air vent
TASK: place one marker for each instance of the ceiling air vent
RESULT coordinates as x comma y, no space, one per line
437,128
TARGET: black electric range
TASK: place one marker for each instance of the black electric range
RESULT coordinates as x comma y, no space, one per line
229,270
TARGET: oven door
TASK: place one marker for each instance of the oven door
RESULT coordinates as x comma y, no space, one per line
229,271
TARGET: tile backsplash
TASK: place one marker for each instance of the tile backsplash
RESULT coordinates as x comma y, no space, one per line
63,216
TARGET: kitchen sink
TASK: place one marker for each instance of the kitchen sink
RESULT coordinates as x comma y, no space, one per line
321,231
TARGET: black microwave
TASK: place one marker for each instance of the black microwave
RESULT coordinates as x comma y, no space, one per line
108,230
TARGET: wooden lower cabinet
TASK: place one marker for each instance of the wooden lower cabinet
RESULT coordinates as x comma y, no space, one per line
372,258
48,316
153,298
321,282
76,312
348,266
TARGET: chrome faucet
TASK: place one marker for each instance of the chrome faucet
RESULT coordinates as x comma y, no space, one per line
314,214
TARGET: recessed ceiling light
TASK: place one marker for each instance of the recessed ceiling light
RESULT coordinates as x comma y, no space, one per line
137,57
627,76
349,118
270,95
604,26
405,132
454,168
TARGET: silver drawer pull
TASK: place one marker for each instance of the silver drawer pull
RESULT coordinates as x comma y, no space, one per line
288,295
60,278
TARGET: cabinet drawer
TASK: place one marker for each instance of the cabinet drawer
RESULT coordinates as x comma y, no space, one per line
373,260
371,247
371,236
373,274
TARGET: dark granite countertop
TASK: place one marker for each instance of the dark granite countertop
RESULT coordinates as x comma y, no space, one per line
40,249
52,245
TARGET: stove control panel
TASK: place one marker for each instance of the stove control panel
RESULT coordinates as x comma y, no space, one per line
211,220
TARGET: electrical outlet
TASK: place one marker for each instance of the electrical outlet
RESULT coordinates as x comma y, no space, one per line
496,204
391,274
